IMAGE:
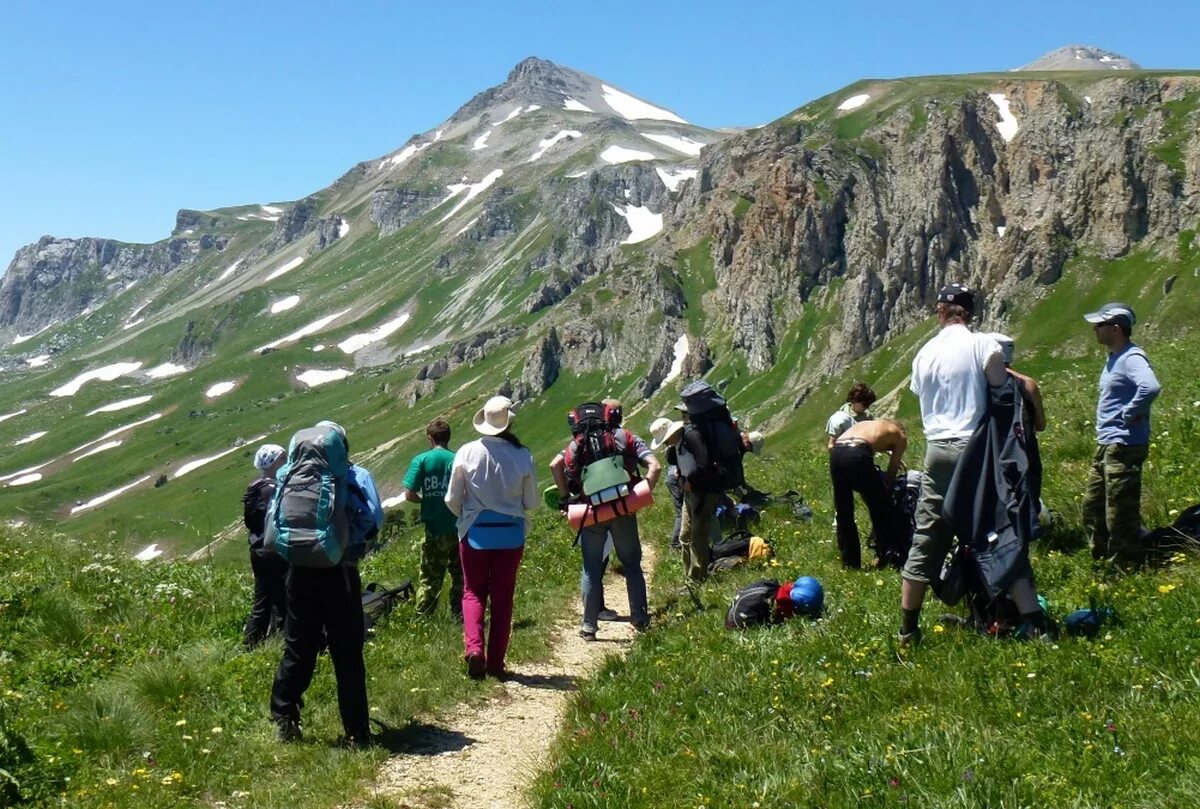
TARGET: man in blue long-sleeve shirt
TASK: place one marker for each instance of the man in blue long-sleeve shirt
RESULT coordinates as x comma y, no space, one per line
1112,501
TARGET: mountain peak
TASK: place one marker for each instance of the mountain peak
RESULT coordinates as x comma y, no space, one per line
1081,57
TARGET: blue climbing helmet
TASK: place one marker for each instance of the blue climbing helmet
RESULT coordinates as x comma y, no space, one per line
808,596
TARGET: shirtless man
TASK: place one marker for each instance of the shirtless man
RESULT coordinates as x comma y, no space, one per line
852,467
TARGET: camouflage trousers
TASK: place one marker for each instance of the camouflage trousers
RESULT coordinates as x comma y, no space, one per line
1112,501
439,553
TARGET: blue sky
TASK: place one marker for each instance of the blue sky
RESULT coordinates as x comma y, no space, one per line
115,115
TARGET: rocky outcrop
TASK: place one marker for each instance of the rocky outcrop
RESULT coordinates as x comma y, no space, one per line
541,367
294,223
393,208
1081,57
54,280
934,193
328,231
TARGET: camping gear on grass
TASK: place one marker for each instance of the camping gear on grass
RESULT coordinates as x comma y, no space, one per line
769,602
378,601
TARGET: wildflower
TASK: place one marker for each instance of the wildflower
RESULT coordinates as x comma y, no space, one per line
1166,588
217,730
938,629
181,723
112,782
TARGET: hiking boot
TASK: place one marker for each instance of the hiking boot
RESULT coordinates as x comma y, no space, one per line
357,741
641,626
588,634
476,667
288,730
606,614
907,639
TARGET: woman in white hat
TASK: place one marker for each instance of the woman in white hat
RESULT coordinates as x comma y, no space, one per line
492,488
665,432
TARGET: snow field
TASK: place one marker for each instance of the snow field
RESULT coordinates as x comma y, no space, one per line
38,361
304,331
8,416
106,374
682,346
192,466
402,156
151,551
32,477
673,178
121,405
854,102
165,370
544,145
643,224
576,106
635,109
104,498
380,332
481,141
285,268
285,304
316,376
219,389
473,190
116,431
680,143
343,229
29,439
28,471
467,226
619,154
1007,125
230,270
107,445
22,338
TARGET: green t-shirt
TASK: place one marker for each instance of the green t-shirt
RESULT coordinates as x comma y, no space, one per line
429,476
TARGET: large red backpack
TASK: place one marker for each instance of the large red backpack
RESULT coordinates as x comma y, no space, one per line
599,452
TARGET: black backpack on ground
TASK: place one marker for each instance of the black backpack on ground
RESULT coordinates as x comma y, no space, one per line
378,601
736,544
753,605
708,414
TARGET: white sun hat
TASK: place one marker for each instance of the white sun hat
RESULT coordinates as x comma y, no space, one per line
495,416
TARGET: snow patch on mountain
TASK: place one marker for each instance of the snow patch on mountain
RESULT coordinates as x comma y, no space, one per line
380,332
634,108
8,416
680,144
32,477
29,439
343,229
148,553
192,466
38,361
643,224
117,431
401,157
473,190
285,304
481,141
230,270
104,498
124,404
167,369
285,268
317,376
303,331
219,389
1007,125
29,470
107,445
467,226
24,338
619,154
854,102
545,144
106,374
576,106
673,178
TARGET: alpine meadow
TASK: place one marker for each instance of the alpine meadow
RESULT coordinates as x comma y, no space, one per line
559,240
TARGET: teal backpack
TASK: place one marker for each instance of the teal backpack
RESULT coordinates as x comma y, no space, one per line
307,523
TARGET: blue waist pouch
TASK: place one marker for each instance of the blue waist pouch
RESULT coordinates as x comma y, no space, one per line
493,531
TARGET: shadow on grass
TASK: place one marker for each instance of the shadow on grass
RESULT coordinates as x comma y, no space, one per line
555,682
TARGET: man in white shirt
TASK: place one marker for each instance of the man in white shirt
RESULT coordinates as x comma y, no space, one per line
950,376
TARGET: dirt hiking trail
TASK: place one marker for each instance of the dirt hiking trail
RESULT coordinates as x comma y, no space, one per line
486,755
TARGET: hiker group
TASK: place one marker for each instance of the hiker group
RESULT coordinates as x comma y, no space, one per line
312,513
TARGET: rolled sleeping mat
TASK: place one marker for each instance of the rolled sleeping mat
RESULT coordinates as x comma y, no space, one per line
637,500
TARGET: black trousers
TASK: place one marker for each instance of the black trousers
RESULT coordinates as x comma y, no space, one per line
269,607
329,599
852,467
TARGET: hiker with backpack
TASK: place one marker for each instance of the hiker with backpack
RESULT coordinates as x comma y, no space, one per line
1112,500
269,608
952,375
426,482
601,468
310,525
852,469
855,410
710,464
666,433
492,488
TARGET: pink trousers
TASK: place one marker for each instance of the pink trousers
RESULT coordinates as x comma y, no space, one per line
488,575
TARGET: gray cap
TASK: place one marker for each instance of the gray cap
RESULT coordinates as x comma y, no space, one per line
1112,313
